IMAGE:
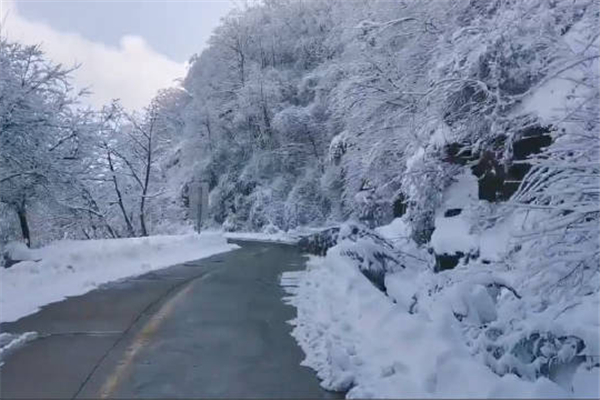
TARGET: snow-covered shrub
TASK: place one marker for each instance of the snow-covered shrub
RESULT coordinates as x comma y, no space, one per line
306,203
423,182
372,254
267,209
366,250
372,209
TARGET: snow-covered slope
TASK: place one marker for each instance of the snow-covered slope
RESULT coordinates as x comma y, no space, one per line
499,294
476,331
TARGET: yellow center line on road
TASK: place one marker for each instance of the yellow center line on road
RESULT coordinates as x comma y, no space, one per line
143,338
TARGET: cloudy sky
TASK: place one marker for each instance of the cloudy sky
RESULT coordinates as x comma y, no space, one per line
127,49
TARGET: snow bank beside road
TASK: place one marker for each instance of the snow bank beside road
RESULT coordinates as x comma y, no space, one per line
9,342
376,346
73,267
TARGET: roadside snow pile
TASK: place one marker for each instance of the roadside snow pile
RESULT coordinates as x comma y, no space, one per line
15,252
470,332
9,342
73,267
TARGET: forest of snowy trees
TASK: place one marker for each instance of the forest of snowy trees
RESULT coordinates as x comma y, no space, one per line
312,113
68,171
461,117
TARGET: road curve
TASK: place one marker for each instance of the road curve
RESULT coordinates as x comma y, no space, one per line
210,328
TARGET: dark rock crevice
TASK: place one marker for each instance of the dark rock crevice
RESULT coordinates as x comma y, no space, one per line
499,176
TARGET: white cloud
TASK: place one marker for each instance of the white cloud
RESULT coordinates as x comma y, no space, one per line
132,72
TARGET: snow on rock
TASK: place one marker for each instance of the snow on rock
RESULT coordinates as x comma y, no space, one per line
73,267
456,223
452,221
396,231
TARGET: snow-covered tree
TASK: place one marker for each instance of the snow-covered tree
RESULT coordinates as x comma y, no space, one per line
39,132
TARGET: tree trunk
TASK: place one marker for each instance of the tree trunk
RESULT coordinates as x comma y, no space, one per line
146,183
119,196
21,212
242,62
207,125
265,110
316,153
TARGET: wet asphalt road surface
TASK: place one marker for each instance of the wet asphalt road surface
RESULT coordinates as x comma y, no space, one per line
210,328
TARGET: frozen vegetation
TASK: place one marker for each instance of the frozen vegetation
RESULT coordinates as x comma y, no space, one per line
448,150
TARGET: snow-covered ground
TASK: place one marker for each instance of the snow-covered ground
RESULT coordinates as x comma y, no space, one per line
461,333
9,342
71,267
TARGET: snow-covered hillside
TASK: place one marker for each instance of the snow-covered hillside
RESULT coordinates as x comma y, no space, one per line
369,110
